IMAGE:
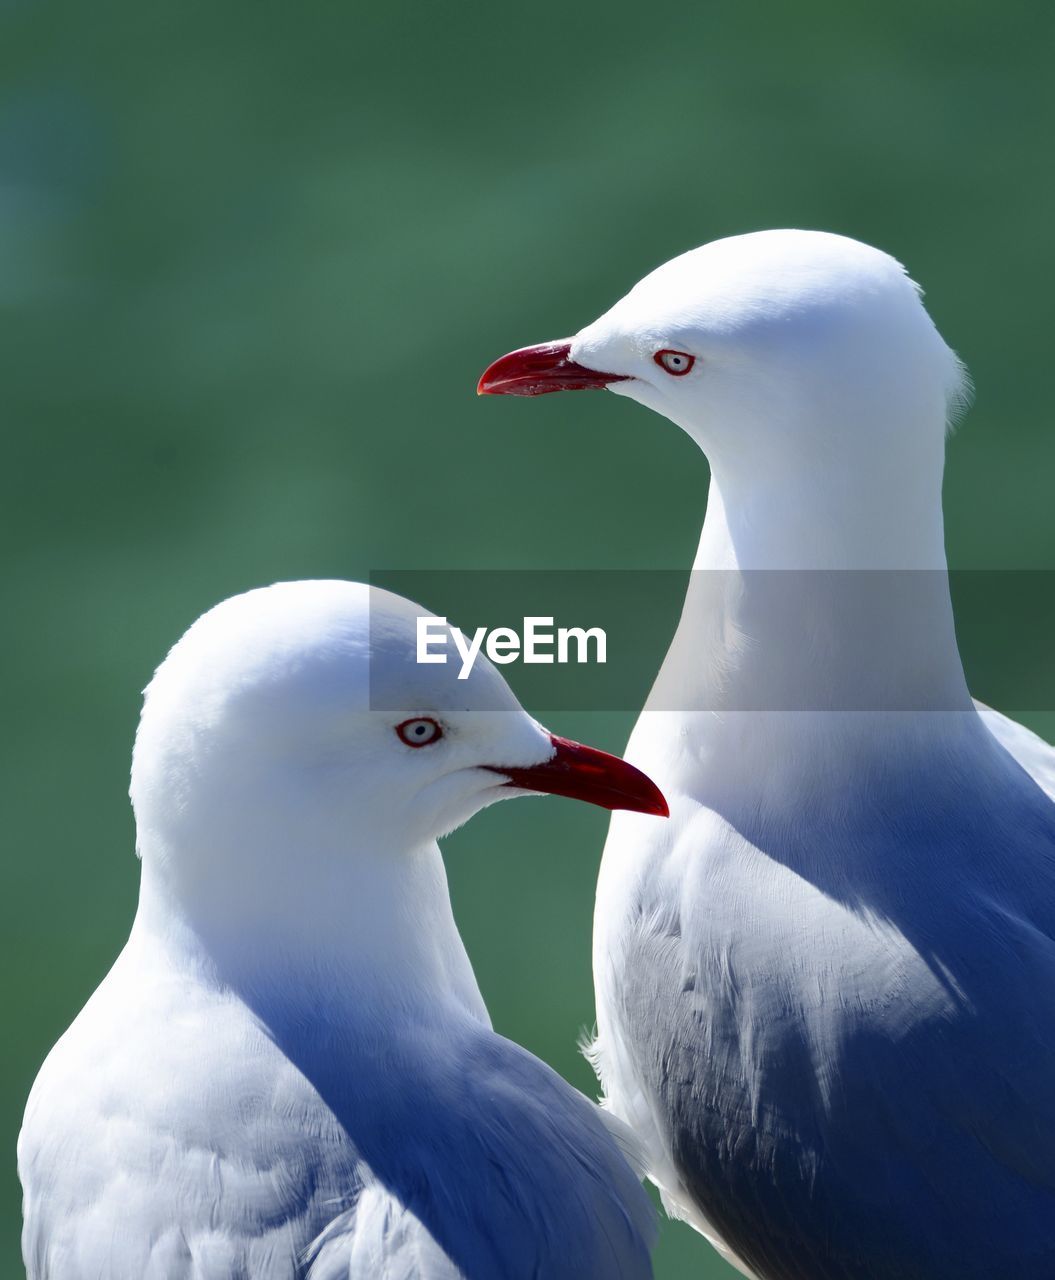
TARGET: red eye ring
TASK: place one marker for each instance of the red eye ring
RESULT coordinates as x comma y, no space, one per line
419,731
676,363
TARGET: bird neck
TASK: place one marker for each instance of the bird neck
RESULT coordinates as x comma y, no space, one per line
872,504
816,608
334,933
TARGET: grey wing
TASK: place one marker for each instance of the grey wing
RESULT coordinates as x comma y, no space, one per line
506,1173
826,1134
932,1156
592,1216
380,1239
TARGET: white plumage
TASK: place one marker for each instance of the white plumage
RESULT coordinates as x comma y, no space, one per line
289,1071
826,989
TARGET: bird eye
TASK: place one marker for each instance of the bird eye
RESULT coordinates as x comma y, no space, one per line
419,732
677,363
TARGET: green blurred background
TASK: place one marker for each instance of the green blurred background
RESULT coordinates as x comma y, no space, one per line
252,260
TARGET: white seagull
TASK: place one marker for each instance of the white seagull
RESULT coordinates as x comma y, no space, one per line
826,989
289,1071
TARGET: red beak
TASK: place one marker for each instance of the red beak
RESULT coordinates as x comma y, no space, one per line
532,371
584,773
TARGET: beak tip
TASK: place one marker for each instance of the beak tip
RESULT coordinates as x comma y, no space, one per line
584,773
488,385
662,809
654,805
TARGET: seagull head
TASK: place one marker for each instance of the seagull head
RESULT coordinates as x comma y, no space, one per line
773,350
294,722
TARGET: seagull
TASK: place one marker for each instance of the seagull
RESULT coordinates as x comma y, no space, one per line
289,1071
826,988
